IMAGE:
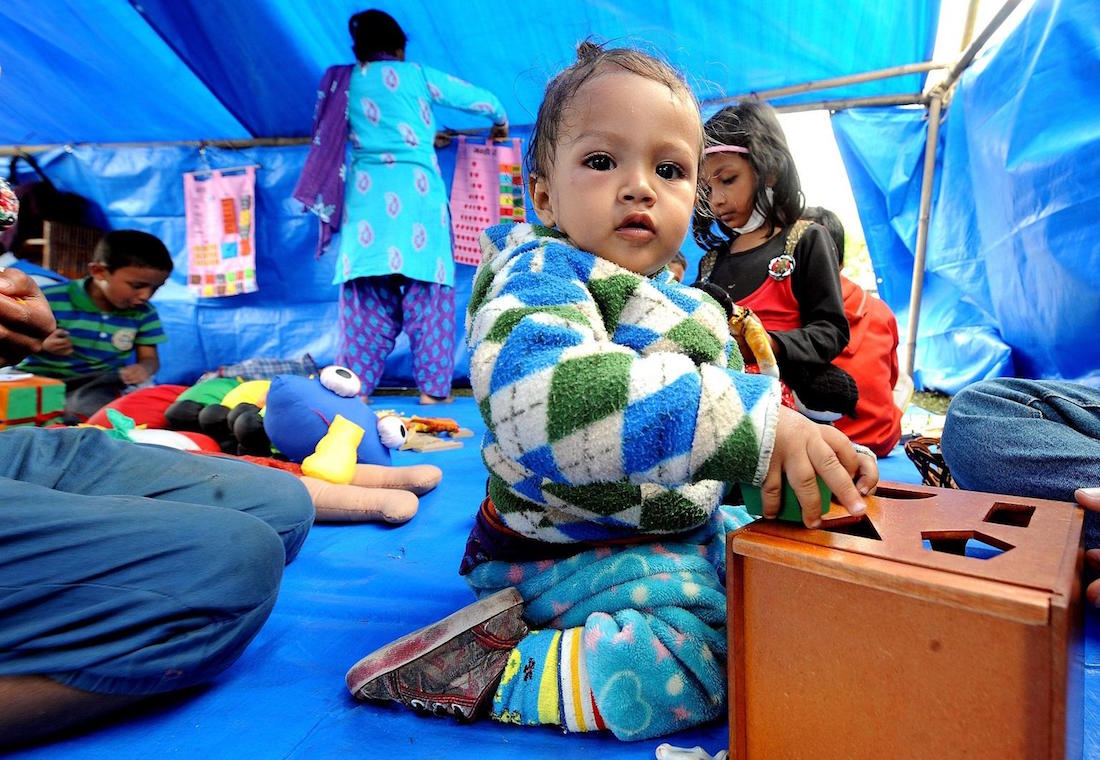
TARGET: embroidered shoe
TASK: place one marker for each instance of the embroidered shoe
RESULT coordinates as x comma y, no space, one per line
450,667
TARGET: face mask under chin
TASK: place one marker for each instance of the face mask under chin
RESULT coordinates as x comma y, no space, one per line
756,218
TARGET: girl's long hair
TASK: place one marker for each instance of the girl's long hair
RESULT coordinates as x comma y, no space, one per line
753,125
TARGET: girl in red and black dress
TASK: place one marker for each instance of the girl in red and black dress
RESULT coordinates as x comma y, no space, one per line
766,259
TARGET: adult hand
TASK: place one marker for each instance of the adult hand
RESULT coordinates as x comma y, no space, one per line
1089,498
442,140
498,132
25,316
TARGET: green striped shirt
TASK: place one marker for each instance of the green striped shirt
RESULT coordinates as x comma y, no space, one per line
102,340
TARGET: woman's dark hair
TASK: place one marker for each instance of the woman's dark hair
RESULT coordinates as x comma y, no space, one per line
374,32
753,125
592,58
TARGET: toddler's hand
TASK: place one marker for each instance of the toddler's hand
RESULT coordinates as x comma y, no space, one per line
803,450
866,475
58,343
134,374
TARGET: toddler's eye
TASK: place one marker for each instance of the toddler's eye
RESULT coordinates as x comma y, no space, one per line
670,171
600,162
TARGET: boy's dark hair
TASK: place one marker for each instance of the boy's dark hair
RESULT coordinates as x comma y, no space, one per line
132,248
374,32
831,223
753,125
591,59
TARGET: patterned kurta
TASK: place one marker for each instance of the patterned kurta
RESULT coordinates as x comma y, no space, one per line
614,402
396,216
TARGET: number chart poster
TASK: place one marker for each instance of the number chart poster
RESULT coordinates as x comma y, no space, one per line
221,234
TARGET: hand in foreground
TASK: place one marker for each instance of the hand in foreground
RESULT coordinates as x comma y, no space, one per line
1089,498
25,316
805,449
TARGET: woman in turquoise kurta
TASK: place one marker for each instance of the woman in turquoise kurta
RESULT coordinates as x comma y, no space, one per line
395,263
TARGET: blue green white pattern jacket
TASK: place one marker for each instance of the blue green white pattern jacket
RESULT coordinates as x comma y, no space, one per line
615,403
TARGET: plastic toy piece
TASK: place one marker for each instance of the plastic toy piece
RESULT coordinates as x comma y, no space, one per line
789,509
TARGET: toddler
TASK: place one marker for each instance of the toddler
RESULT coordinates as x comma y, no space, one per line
616,413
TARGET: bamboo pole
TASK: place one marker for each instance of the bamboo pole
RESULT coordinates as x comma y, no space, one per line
824,84
923,219
935,101
909,99
255,142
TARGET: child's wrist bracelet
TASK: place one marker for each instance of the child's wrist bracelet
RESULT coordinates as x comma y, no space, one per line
861,449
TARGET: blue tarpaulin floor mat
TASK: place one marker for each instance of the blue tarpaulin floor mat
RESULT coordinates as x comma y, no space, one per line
352,589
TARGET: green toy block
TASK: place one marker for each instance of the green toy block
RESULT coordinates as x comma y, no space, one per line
789,509
23,404
53,398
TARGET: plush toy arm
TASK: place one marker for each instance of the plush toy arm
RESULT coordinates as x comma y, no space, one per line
419,478
746,326
338,502
334,458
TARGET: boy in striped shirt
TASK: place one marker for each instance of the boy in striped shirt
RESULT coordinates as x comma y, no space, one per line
107,331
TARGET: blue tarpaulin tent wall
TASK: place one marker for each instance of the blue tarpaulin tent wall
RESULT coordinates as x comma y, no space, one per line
1013,266
102,72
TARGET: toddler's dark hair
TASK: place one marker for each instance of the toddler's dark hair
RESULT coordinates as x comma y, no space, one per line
753,125
132,248
832,224
374,32
591,59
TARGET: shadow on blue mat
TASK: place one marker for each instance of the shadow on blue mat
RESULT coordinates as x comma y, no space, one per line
352,589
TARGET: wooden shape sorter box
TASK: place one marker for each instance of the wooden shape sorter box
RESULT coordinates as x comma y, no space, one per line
940,624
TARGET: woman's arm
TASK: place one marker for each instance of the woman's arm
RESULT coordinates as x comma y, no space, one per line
450,91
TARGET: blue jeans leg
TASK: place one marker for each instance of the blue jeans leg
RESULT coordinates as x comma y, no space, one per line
132,569
1025,437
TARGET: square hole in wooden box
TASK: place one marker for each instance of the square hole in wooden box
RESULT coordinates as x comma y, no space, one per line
942,623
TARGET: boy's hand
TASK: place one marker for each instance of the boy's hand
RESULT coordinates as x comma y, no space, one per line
134,374
803,450
25,316
58,343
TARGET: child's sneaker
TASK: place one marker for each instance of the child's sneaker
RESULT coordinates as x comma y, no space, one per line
452,666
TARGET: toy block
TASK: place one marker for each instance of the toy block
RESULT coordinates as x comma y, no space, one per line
30,400
789,508
942,623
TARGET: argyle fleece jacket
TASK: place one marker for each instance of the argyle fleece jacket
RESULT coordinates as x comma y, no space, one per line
614,402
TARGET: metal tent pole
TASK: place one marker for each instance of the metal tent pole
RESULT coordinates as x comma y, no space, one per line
936,100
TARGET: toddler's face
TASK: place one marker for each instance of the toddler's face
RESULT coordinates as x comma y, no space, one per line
125,288
623,181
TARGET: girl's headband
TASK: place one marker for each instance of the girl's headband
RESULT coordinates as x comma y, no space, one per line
725,149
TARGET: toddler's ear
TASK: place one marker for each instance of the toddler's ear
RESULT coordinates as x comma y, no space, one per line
539,190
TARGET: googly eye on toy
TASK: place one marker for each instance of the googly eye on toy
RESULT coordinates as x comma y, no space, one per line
341,380
391,431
